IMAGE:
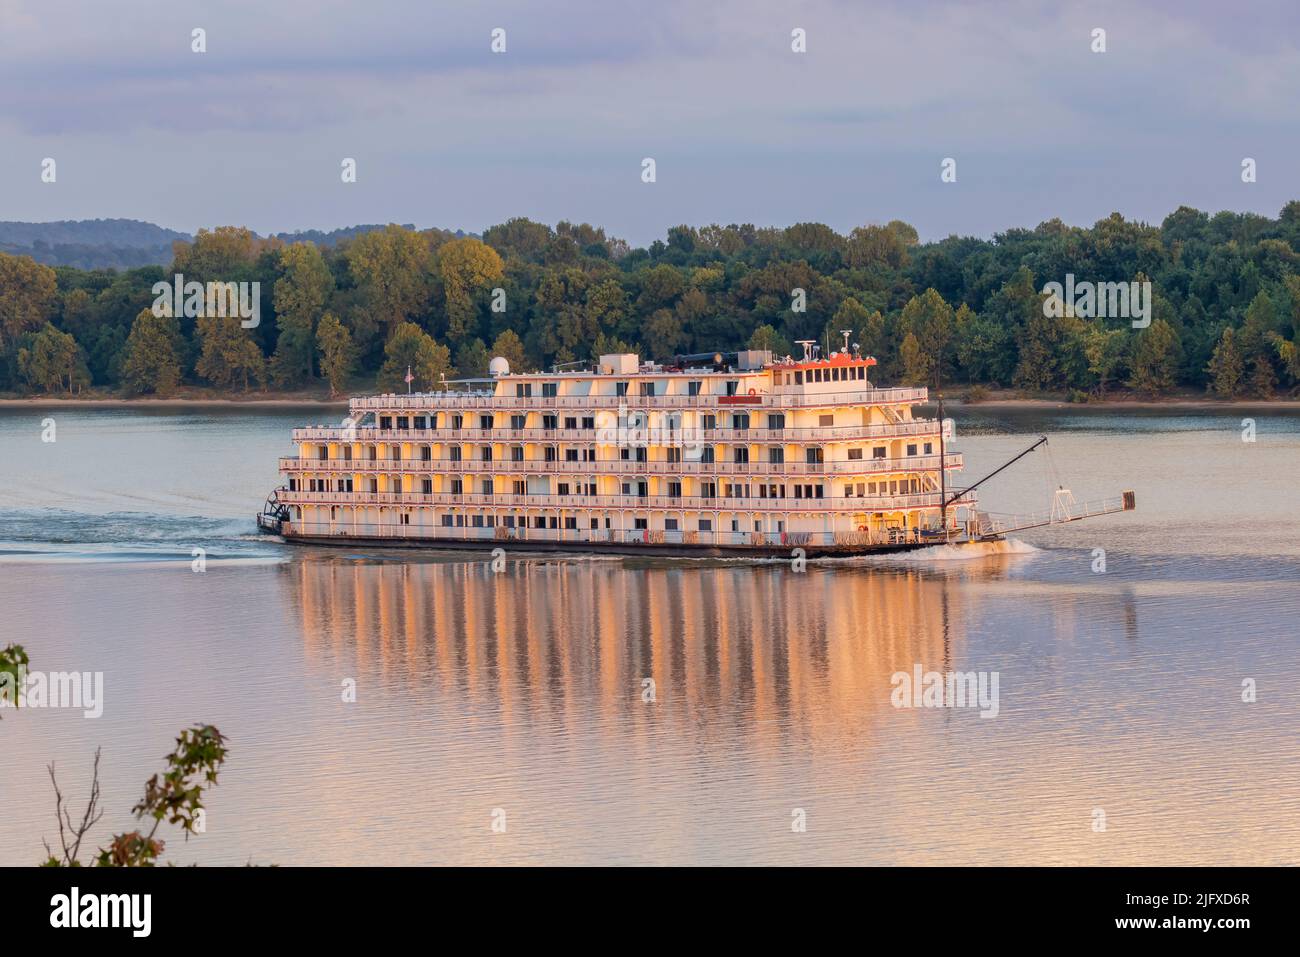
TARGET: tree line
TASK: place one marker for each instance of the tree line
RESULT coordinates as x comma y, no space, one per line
356,315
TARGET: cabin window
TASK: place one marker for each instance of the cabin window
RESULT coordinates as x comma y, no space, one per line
549,422
549,455
929,448
670,524
520,487
445,521
516,453
487,453
706,454
706,525
732,386
776,421
571,523
478,521
570,422
855,454
588,421
879,452
826,420
911,449
426,486
693,388
486,486
550,390
674,489
647,388
518,421
455,453
740,420
709,421
620,388
640,523
776,456
742,454
815,456
798,378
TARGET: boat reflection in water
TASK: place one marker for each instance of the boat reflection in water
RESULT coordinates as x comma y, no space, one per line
744,643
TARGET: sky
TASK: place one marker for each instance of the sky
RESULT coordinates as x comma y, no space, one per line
445,132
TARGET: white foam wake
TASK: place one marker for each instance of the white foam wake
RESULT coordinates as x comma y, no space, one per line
965,552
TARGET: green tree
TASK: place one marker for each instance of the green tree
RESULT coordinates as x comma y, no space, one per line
28,293
472,359
53,360
509,346
391,268
229,353
411,348
337,354
301,294
151,362
1103,349
466,267
1226,368
918,366
766,337
1155,359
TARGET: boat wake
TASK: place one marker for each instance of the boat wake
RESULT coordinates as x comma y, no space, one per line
964,552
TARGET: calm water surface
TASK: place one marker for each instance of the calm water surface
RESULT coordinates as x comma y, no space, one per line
1119,692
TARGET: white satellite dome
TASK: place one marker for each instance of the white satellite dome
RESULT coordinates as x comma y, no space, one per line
499,365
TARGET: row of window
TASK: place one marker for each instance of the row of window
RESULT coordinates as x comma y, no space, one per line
814,455
641,489
550,422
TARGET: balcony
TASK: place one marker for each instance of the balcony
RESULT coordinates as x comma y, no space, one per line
508,502
785,398
586,470
610,436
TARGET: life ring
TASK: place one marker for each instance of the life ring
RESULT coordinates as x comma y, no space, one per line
753,392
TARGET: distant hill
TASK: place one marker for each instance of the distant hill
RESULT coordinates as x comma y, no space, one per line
334,236
91,243
127,243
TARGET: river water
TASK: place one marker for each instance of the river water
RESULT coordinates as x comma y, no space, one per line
623,710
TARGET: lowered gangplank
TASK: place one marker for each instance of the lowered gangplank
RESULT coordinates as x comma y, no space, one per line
715,454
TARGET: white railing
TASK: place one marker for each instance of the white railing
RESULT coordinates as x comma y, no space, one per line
787,398
841,433
509,501
587,470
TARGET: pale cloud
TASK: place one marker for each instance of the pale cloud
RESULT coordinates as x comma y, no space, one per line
449,134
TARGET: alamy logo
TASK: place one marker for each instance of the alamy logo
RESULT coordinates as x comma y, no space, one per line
950,689
216,299
55,689
1099,300
133,911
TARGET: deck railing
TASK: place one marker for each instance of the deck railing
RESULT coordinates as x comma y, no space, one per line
587,470
774,400
510,502
678,437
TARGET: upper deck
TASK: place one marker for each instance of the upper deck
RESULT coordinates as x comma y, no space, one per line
622,381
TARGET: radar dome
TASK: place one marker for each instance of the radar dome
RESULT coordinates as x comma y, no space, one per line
499,365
